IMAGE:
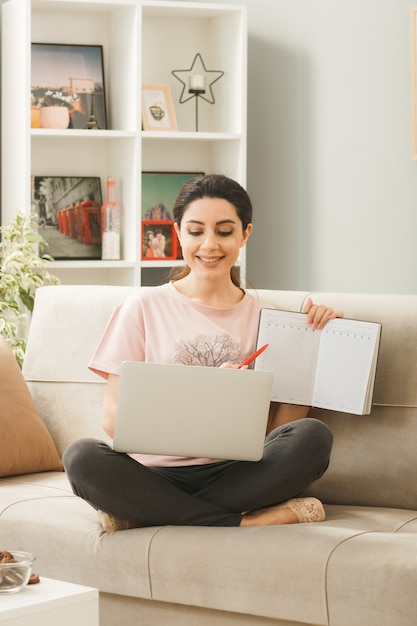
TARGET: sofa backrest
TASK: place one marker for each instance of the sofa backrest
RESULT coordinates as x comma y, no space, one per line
373,462
374,458
66,325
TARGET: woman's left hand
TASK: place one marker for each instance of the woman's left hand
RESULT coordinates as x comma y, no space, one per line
318,314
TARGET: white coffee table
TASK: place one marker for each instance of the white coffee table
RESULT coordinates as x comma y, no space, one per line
50,603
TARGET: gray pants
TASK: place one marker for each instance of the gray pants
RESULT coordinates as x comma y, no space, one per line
295,455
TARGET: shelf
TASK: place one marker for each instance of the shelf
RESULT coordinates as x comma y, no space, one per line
143,41
70,133
153,135
188,136
156,264
185,9
96,264
81,6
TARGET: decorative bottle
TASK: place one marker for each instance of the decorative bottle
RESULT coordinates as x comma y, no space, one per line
110,224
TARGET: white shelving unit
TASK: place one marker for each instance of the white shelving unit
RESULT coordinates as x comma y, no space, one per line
143,41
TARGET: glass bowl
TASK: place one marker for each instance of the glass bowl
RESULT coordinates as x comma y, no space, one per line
15,576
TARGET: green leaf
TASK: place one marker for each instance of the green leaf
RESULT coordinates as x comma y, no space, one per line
22,271
27,299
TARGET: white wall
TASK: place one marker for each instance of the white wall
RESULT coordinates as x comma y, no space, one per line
329,158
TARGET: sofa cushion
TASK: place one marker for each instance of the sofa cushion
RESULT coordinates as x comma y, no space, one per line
27,445
40,514
256,571
282,570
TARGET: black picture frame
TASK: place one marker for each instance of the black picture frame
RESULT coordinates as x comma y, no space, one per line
71,69
69,210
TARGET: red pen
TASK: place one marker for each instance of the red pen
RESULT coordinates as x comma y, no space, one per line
253,356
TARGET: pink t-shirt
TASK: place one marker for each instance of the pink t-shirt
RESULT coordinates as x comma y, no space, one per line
160,325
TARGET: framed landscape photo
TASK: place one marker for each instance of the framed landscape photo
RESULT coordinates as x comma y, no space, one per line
159,240
157,108
69,210
159,192
71,76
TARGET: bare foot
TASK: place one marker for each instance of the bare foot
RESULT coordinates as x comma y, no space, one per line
112,524
293,511
270,517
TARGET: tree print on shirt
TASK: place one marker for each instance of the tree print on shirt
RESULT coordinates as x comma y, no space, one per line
208,350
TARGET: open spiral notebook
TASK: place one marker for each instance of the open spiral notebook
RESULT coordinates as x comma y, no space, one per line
333,368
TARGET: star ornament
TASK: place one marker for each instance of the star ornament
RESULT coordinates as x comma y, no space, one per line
197,69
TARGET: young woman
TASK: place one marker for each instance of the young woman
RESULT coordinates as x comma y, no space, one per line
201,317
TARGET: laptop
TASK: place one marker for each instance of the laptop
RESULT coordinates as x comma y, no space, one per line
192,411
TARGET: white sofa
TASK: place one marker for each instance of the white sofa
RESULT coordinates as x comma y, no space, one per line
357,568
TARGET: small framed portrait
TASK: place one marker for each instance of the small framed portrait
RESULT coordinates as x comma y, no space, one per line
70,77
69,210
157,108
159,240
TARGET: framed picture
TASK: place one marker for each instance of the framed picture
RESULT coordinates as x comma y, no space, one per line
159,192
413,65
70,76
69,210
157,108
159,240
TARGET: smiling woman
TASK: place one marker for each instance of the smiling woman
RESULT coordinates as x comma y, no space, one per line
211,235
202,316
218,223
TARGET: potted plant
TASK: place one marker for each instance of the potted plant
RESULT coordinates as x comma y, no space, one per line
54,108
22,271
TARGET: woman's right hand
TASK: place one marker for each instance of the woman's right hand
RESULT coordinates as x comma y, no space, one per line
234,366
